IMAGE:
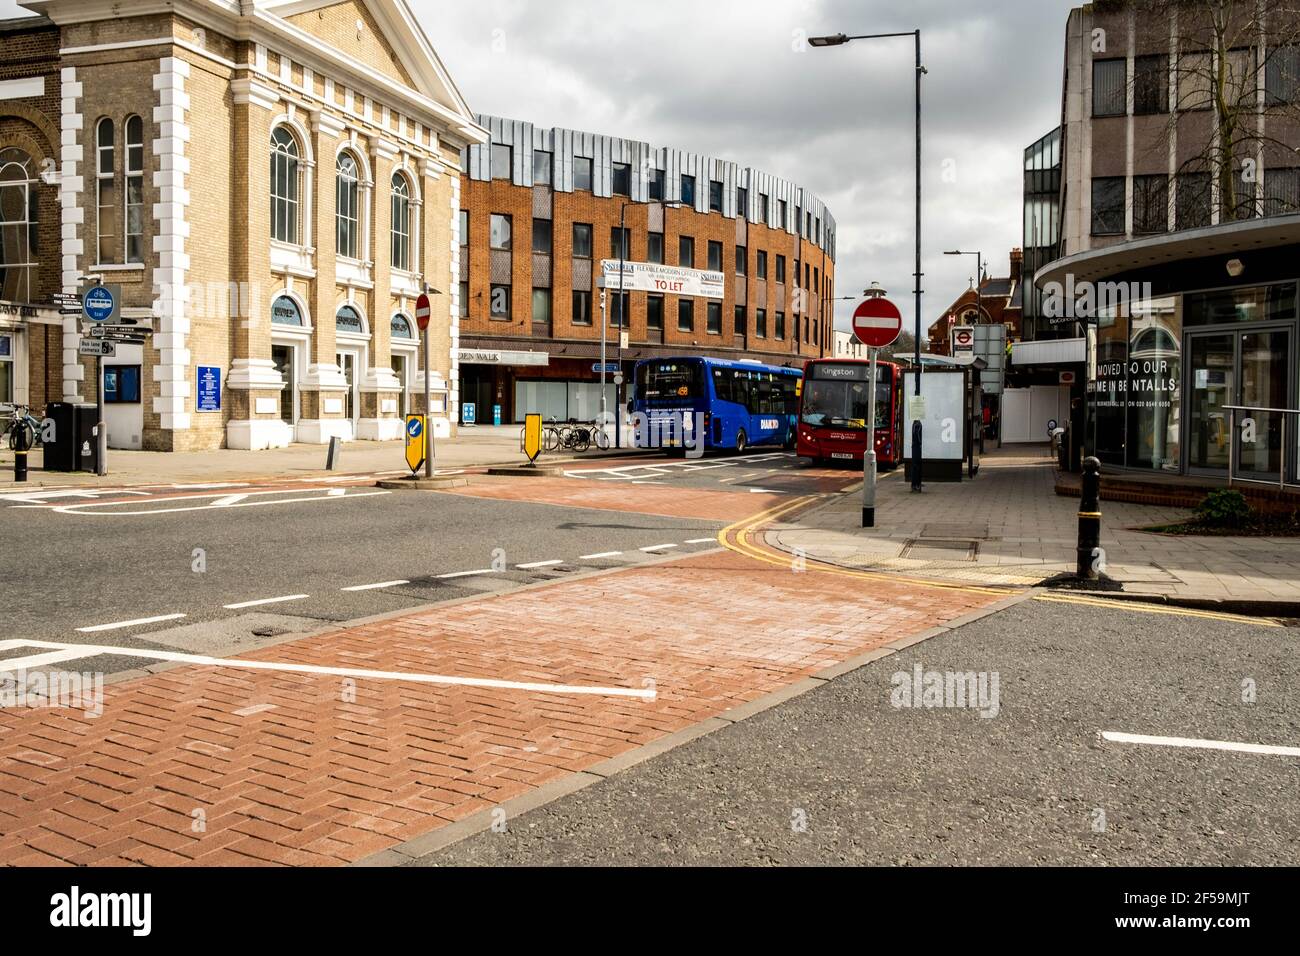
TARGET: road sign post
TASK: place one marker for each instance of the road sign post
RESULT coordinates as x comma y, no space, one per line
422,320
101,304
876,323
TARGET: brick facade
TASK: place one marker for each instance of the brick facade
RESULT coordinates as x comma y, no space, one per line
208,86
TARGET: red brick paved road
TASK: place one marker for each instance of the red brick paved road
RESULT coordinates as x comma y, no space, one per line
320,780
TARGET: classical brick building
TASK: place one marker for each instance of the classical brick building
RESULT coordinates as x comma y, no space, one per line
999,302
271,183
542,207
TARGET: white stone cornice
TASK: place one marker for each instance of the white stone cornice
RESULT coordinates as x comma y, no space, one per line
249,90
326,123
384,148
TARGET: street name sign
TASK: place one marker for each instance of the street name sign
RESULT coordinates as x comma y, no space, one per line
877,322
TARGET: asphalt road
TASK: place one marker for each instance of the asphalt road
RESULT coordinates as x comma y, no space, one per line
138,559
841,776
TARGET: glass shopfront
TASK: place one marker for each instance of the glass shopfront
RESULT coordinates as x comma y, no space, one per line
1164,374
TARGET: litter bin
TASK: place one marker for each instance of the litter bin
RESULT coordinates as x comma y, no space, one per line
1062,439
61,452
87,447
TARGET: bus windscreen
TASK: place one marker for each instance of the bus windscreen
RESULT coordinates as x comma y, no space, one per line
835,396
670,381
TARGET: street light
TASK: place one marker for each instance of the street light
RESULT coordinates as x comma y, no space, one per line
622,318
839,39
979,281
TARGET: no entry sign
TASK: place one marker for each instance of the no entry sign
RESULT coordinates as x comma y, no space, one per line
877,322
422,311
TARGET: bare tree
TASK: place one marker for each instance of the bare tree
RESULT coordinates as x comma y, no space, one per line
1237,63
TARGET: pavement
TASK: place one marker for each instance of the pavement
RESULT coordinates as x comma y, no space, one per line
1007,527
478,446
840,775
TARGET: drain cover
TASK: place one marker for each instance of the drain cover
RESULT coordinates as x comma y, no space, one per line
940,550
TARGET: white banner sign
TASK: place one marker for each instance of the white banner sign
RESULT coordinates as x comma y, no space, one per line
652,277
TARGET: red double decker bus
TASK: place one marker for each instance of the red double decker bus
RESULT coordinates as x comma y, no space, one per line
833,411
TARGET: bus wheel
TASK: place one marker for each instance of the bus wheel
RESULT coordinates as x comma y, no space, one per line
741,441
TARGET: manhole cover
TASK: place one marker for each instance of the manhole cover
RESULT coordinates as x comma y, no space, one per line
940,550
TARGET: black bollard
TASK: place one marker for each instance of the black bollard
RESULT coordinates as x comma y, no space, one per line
1089,519
20,451
916,455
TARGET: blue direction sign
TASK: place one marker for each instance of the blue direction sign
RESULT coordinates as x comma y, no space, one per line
609,367
98,303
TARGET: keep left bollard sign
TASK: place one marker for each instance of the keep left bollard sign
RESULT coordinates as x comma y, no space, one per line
415,442
533,435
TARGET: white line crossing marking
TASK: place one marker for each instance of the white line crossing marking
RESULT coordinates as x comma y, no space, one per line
261,601
92,650
659,547
374,587
37,660
222,501
468,574
1199,744
599,554
538,564
701,540
140,620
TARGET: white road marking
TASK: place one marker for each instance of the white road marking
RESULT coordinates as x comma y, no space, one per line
701,540
83,508
139,620
468,574
37,660
601,554
92,650
228,500
659,547
1197,743
374,587
260,601
537,564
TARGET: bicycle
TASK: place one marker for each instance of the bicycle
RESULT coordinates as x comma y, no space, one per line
22,420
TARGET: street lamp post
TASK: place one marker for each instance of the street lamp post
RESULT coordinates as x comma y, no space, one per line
838,39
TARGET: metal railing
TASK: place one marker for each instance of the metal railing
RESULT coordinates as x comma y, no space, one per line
1283,451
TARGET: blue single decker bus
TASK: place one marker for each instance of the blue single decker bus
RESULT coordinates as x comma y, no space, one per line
733,404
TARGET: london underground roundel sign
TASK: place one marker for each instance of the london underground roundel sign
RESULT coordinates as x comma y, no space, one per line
877,322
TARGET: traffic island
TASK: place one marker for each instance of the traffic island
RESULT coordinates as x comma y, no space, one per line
420,483
525,471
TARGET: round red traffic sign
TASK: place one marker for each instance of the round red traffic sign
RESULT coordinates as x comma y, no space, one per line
877,322
422,311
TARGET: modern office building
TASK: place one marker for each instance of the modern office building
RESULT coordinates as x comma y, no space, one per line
541,208
1041,241
270,183
1180,236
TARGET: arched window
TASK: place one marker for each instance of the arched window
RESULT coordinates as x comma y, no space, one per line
105,192
348,319
285,311
401,223
134,189
401,327
18,225
348,208
285,172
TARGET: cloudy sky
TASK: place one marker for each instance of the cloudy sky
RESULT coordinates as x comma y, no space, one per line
734,79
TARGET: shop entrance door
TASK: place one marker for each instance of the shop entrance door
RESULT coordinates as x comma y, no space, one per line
1242,368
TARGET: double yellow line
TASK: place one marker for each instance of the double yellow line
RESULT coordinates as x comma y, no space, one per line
1141,608
737,537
